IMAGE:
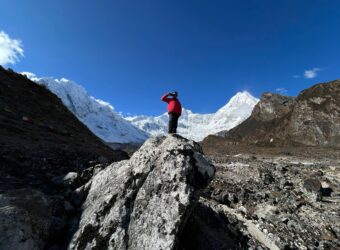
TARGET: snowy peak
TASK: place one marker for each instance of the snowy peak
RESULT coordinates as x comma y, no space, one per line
240,99
197,126
243,97
238,105
99,116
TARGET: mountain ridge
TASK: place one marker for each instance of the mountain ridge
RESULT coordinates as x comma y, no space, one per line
109,125
311,119
196,126
98,115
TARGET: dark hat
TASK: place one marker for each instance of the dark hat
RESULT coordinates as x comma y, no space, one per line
174,93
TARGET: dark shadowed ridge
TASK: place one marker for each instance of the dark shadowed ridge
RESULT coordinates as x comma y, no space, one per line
36,126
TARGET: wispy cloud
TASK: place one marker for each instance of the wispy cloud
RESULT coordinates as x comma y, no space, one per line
10,49
281,90
311,73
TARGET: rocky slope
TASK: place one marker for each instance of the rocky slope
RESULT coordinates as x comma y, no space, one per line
283,199
39,134
313,118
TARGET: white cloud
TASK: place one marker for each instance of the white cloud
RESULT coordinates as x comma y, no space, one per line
281,90
28,74
311,73
10,49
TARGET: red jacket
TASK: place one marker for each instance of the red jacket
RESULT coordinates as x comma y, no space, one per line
174,106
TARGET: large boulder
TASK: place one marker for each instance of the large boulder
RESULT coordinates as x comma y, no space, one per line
144,202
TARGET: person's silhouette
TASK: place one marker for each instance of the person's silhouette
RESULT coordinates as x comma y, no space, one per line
174,110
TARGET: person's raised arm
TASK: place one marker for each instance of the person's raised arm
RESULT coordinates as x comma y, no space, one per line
165,97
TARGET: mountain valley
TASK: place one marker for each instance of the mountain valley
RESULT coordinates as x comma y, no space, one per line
271,182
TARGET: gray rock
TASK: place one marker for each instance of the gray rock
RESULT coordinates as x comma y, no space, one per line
315,119
79,195
144,202
312,185
24,220
272,106
70,179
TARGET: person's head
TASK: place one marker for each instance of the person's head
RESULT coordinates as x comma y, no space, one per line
174,94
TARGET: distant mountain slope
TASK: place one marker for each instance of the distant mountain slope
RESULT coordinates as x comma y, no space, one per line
313,118
99,116
38,134
197,126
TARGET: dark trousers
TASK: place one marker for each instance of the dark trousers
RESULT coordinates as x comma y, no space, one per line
173,120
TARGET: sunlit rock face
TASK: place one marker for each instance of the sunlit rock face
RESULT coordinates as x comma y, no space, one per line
312,118
315,118
272,106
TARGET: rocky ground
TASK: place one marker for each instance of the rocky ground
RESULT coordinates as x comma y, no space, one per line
280,198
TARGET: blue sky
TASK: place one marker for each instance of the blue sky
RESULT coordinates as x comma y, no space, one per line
129,52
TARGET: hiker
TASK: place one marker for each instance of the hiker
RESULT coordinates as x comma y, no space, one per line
174,110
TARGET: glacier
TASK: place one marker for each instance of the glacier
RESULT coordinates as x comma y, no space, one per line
99,116
197,126
113,127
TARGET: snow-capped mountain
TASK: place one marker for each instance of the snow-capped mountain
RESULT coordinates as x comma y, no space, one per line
109,125
197,126
99,116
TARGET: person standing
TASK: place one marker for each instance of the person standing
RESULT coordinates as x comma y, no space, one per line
174,110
